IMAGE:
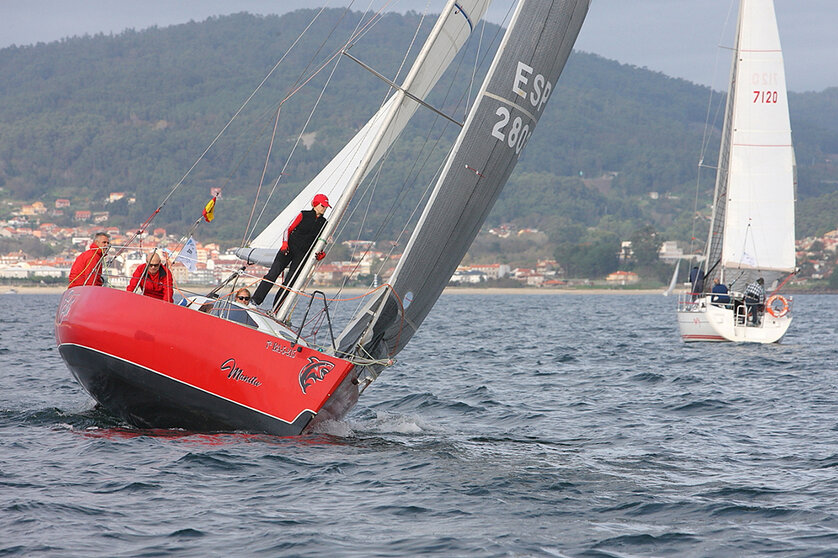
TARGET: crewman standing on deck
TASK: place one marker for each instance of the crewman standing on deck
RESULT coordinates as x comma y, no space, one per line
296,243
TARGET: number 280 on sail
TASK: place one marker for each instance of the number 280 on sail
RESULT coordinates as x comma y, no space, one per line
536,91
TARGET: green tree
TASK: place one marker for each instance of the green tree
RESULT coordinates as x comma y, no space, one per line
592,259
645,246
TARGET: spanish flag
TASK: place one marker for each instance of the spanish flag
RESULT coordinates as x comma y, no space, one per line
209,210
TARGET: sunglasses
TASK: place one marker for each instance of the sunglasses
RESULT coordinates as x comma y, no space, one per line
154,265
245,298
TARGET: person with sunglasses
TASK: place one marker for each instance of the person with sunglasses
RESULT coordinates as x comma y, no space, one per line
243,296
87,268
153,278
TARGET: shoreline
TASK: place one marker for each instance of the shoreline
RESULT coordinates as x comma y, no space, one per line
358,290
30,290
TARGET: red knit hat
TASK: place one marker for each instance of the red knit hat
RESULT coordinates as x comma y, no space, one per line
320,199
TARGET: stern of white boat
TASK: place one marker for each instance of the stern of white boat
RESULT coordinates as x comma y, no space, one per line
700,319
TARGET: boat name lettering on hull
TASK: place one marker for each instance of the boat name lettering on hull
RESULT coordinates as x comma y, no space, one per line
66,305
237,374
281,349
314,372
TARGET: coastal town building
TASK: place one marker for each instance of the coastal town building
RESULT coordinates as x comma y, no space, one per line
670,252
816,256
468,276
622,278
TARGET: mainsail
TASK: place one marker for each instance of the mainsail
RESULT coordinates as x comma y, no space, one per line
757,159
521,79
351,165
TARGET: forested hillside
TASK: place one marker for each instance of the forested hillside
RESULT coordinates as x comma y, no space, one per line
84,117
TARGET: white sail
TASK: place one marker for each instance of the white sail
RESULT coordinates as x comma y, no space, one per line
759,219
674,280
454,26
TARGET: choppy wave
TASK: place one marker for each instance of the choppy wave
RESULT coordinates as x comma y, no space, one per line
580,427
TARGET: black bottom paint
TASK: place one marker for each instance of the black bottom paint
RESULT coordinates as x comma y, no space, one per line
149,400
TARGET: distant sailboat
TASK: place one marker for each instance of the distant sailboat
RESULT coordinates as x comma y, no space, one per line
215,364
752,230
674,280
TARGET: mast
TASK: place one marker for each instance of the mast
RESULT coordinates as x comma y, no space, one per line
713,249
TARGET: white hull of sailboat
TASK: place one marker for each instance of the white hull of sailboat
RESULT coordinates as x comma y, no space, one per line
700,320
751,236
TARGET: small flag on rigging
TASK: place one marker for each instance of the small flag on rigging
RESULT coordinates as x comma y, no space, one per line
189,255
209,210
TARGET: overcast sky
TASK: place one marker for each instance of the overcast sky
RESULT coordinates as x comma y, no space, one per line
676,37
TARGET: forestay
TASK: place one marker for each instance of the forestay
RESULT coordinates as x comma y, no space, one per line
517,87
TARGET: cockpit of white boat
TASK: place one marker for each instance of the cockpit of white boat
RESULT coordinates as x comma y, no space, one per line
776,305
695,302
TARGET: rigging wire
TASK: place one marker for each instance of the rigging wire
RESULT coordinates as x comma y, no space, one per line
479,62
247,230
225,127
333,57
299,37
417,167
705,140
250,147
381,104
238,112
180,182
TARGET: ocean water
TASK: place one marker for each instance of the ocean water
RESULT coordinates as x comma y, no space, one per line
512,425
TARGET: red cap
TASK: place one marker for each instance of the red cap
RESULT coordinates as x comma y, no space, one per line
320,199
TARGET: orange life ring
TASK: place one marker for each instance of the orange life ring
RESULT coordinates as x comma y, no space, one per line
783,309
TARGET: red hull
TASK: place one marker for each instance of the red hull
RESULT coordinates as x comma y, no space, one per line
156,364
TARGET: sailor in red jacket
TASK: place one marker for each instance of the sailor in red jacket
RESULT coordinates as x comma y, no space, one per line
87,269
154,278
296,243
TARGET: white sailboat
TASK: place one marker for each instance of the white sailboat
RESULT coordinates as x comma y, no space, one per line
752,226
216,364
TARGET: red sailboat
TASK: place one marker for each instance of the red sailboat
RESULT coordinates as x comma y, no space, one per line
212,364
